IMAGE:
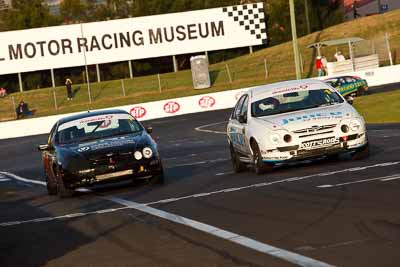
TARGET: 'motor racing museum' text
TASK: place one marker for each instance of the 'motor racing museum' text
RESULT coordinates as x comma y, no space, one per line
132,38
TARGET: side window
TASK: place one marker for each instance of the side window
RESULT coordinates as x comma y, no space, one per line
350,80
245,106
52,133
238,108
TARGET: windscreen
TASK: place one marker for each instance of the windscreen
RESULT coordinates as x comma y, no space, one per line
293,101
97,127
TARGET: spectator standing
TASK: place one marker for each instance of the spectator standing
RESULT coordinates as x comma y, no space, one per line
3,92
318,66
339,57
22,110
324,62
355,13
68,86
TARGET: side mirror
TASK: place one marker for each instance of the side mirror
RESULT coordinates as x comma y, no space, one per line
349,100
242,118
44,147
149,130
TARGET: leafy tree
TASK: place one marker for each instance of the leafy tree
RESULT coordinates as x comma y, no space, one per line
28,14
73,11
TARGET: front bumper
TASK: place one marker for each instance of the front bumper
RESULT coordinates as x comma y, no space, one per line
294,153
145,168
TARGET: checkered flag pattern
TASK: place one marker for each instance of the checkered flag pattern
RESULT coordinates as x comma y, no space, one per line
251,17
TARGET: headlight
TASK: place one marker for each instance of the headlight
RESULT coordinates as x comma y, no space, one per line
275,139
287,138
355,125
344,128
147,152
138,155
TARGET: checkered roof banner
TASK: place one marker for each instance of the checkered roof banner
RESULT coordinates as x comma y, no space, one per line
251,17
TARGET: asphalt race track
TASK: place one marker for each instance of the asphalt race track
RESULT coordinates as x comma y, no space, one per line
320,213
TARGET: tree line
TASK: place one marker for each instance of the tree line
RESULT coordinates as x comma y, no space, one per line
27,14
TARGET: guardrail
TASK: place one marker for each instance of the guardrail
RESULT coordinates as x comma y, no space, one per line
180,106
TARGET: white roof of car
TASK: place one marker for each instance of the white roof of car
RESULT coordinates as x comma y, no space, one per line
287,86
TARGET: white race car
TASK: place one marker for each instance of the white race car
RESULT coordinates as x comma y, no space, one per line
293,120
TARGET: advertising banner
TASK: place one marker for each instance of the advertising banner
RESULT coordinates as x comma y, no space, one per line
132,38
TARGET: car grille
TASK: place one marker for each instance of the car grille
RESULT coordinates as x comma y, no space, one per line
315,130
107,159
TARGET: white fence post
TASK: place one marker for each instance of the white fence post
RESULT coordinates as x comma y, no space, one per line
21,85
55,99
123,87
159,81
266,68
53,81
388,48
229,73
14,106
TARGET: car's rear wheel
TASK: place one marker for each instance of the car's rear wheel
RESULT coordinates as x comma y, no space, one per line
259,166
51,186
238,166
62,190
361,91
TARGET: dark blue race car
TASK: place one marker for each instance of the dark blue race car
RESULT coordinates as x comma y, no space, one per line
98,147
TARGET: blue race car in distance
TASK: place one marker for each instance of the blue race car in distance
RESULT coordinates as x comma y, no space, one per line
349,85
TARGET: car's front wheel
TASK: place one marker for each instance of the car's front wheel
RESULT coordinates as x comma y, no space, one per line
259,166
238,166
158,178
361,153
62,190
51,186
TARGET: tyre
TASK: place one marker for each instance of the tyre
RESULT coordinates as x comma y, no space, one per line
51,186
159,178
361,91
259,166
333,157
361,153
62,190
238,166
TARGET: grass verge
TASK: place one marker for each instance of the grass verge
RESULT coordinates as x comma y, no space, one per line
379,108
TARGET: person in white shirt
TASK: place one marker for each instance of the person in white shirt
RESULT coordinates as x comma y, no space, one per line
339,56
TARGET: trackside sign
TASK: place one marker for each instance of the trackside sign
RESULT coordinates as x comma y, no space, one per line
133,38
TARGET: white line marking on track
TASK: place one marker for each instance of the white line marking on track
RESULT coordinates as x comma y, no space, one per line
199,162
21,179
391,178
4,179
383,179
200,128
224,173
198,195
66,216
282,254
340,244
